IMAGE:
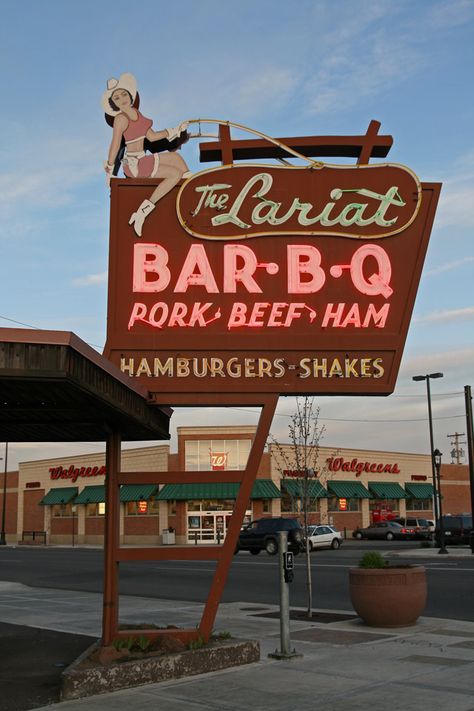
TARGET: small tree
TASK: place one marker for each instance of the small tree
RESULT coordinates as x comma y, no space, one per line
305,435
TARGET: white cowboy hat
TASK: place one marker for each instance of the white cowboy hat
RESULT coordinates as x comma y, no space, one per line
127,81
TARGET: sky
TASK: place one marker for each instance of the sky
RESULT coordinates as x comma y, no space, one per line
300,68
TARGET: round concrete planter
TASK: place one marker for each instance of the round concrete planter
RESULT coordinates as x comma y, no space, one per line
388,597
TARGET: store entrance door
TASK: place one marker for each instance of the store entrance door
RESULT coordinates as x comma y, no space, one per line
208,526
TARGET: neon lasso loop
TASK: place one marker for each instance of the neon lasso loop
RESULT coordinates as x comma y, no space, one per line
220,122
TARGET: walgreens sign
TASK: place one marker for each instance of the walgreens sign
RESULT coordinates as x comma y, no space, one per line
74,473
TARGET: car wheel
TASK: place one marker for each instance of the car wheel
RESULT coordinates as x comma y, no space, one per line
389,536
358,535
271,546
255,551
335,543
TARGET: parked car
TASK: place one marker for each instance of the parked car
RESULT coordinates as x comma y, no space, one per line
421,526
388,530
262,534
323,536
457,529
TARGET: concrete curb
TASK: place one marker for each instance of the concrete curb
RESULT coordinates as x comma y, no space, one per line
77,682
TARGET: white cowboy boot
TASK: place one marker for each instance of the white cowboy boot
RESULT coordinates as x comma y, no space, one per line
138,218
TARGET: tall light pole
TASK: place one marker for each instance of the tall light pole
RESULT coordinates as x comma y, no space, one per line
428,377
437,458
3,540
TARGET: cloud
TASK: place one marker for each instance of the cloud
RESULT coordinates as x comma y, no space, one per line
434,361
447,316
450,266
456,206
91,279
451,13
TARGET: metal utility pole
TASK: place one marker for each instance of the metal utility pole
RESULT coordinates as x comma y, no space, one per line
3,540
428,377
457,452
470,442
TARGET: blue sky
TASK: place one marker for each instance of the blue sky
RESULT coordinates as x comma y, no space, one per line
299,68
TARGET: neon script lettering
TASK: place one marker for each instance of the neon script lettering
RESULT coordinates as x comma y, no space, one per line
269,211
336,464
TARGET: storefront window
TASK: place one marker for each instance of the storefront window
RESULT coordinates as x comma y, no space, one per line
95,509
334,504
294,504
172,508
142,508
288,503
266,506
218,454
384,506
419,504
61,510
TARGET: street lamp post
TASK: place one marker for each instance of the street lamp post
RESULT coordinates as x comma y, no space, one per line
3,540
437,458
428,377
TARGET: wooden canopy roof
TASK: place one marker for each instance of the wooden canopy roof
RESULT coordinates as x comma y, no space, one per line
56,388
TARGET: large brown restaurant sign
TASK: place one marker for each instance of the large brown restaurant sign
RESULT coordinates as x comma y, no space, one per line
269,279
253,277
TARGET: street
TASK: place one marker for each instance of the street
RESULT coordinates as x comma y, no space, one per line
252,579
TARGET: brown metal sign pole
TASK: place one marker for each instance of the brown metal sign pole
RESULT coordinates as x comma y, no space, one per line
245,489
111,539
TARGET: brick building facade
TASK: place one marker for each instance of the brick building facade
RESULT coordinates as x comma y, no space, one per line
62,500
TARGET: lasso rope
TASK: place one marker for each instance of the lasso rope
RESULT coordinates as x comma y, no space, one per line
220,122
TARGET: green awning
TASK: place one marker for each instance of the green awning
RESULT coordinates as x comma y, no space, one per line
295,488
265,489
262,489
419,491
349,490
387,490
59,496
137,492
91,495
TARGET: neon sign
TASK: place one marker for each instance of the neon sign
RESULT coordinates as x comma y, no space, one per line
336,464
345,201
370,272
275,279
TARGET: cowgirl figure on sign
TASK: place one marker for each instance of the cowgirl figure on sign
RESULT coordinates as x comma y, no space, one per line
130,132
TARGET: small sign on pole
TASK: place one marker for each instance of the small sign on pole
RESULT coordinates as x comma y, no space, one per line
286,566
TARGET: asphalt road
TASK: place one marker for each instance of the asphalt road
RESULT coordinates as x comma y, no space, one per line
252,579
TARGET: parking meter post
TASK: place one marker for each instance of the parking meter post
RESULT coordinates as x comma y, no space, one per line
284,595
285,646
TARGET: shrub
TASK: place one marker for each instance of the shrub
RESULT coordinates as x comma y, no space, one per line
372,559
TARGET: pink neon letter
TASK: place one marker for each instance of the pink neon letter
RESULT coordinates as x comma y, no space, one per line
304,259
196,258
138,314
150,259
378,282
232,274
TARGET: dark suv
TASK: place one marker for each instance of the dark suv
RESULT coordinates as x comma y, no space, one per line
263,535
457,529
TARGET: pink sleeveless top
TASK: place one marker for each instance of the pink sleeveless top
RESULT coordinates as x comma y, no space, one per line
137,129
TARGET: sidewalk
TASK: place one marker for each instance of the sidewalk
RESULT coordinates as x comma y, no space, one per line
345,665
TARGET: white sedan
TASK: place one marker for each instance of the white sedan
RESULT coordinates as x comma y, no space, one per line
323,537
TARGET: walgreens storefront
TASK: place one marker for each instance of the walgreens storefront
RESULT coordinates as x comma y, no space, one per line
64,500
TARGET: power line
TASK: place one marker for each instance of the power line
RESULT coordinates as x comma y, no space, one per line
338,419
